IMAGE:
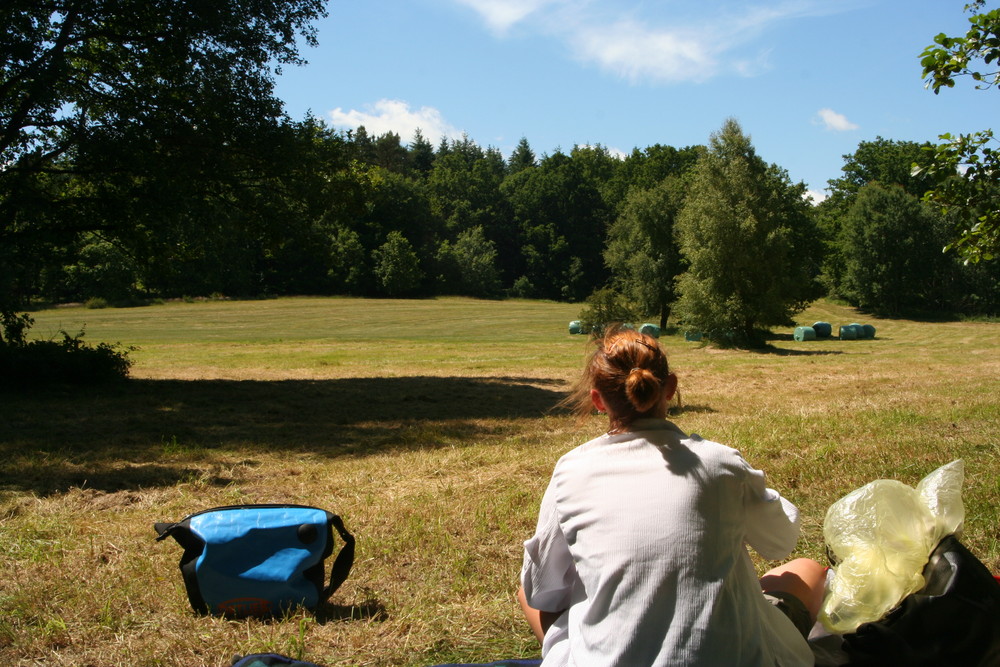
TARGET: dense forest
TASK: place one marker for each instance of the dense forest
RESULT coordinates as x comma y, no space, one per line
328,212
145,157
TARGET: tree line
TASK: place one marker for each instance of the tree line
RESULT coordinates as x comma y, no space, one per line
328,212
145,157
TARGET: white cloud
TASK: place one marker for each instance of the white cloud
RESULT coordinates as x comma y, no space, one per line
635,52
814,196
397,116
835,121
502,14
616,153
658,42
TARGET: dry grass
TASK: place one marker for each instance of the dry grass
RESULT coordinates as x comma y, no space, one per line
429,426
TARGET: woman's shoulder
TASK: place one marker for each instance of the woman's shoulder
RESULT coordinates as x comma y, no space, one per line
716,454
666,433
658,433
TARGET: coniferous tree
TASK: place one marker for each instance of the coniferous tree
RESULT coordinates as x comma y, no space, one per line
421,156
522,157
389,153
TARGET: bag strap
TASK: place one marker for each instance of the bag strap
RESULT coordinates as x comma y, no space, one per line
344,561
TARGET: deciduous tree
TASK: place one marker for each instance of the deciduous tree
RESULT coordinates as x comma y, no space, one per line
966,167
126,117
397,267
642,251
748,237
892,252
468,266
562,220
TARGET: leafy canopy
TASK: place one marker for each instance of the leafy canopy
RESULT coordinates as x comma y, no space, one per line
642,252
137,120
966,167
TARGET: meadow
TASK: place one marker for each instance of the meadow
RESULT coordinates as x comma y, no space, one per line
431,427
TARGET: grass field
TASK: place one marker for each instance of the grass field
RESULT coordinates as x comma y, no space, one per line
431,428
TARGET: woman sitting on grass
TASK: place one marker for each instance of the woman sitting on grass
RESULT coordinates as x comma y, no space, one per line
639,556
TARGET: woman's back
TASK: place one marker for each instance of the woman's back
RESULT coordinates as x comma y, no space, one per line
643,541
639,554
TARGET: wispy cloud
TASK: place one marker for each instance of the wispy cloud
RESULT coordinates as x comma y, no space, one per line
397,116
635,52
649,42
500,15
832,120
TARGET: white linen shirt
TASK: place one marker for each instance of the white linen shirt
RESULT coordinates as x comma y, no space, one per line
641,538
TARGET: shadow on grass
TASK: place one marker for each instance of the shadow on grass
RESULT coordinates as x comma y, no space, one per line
371,610
781,352
145,433
771,338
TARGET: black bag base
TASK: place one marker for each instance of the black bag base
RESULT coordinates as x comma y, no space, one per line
269,660
953,621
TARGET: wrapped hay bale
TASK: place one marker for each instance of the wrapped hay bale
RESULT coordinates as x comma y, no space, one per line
650,330
823,329
805,333
576,327
869,331
848,332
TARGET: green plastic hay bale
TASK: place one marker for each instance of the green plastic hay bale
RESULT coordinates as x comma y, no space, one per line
823,329
650,330
576,327
805,333
869,331
848,332
692,336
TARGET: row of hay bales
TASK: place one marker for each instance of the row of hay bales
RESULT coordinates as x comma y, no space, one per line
821,330
818,331
577,327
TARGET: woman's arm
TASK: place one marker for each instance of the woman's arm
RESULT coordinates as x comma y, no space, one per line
772,522
538,621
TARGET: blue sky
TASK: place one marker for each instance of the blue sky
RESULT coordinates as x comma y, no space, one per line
806,79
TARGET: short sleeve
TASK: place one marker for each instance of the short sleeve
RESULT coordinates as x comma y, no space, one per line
772,522
548,573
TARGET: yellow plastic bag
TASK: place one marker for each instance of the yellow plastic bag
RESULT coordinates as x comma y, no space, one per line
882,535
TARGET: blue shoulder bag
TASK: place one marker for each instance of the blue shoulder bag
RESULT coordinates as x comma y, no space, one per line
259,560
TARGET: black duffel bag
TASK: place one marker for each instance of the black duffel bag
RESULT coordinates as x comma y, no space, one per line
954,620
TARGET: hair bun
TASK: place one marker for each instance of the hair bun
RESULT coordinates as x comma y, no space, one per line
642,388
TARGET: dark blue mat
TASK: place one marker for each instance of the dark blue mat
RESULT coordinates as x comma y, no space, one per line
499,663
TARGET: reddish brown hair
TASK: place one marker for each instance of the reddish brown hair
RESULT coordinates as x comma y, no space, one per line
630,371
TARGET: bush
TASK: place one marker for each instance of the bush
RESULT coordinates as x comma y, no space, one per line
606,307
96,303
70,360
397,267
522,288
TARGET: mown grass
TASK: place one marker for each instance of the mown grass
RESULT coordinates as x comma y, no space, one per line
431,427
